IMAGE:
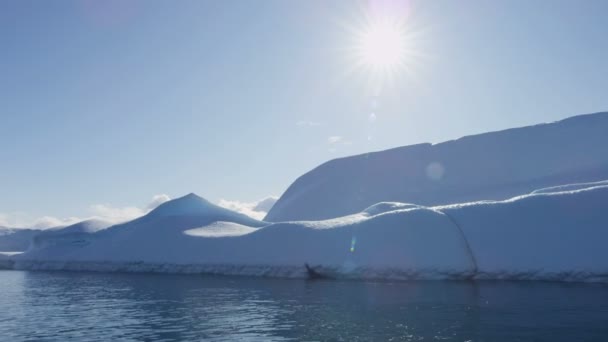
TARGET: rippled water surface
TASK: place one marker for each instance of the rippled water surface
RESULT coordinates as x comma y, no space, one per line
60,306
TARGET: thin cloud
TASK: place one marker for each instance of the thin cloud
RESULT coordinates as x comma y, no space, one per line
22,220
11,219
334,139
256,210
104,212
3,220
50,221
158,200
112,214
336,142
304,123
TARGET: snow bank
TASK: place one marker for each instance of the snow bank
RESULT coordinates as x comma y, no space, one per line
491,166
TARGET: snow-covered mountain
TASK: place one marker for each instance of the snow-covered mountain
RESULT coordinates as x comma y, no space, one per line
554,235
490,166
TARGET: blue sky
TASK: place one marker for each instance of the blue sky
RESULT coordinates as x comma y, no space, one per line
112,102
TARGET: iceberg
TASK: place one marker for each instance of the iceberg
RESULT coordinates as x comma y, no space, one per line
556,235
526,203
16,239
489,166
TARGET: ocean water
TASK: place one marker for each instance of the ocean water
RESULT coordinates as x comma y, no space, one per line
72,306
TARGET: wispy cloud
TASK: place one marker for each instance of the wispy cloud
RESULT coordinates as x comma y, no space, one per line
22,220
337,141
157,200
50,221
304,123
4,220
113,214
256,210
334,139
105,212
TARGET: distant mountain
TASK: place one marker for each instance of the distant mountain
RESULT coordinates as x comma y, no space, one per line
266,204
490,166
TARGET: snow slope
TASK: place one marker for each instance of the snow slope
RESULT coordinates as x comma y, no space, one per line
78,233
20,239
548,236
490,166
16,239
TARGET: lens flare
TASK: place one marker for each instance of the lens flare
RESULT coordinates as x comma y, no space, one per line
435,171
353,242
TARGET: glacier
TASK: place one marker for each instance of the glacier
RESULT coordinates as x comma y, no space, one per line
555,234
490,166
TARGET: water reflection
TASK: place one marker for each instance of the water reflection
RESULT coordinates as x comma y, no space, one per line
57,306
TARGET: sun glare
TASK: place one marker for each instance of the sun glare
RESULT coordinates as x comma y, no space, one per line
382,45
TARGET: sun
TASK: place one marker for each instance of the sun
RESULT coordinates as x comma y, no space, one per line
385,46
382,45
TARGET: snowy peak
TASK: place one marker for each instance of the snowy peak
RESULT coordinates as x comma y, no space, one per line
194,206
190,204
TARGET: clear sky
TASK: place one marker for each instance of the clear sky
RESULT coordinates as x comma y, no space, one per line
112,102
